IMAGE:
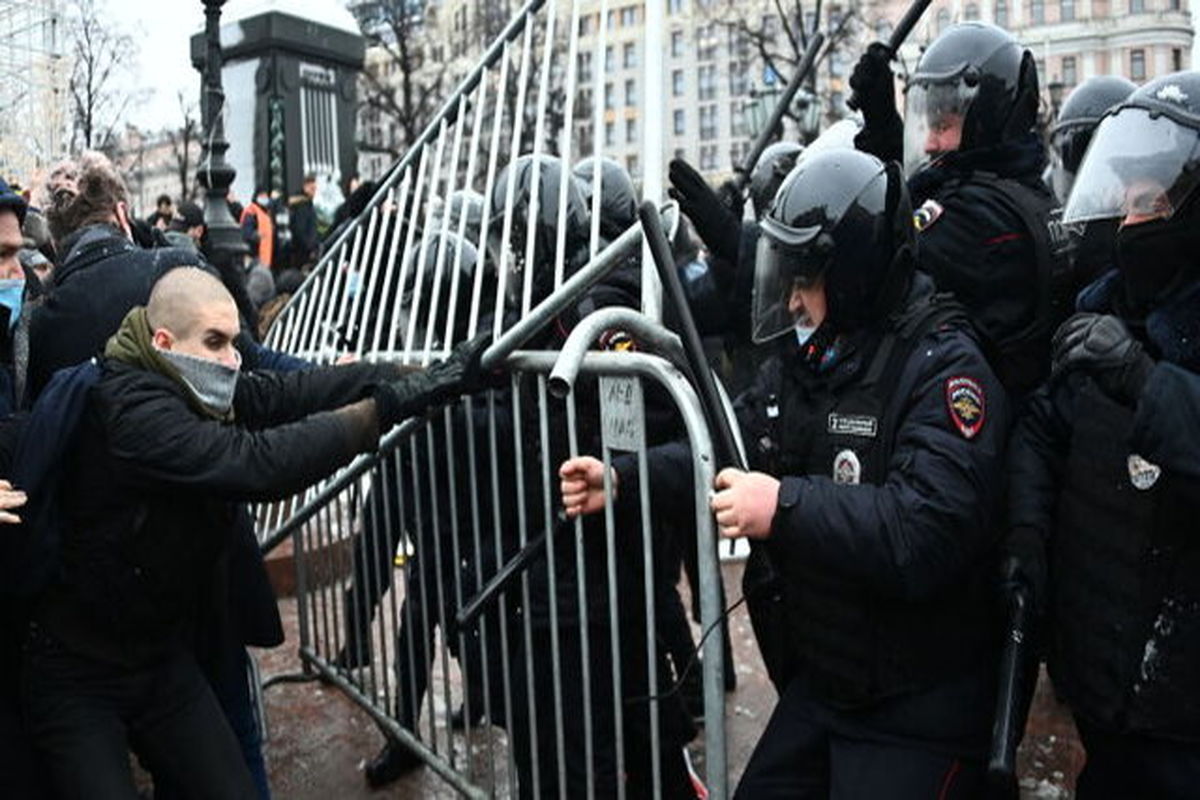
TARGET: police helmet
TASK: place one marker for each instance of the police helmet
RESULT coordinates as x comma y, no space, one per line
618,197
974,78
465,207
844,218
1144,159
1077,121
773,166
537,227
439,287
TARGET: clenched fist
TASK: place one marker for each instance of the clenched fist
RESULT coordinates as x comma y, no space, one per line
745,503
581,481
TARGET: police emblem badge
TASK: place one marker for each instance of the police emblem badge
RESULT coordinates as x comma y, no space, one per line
847,469
928,213
1142,474
966,404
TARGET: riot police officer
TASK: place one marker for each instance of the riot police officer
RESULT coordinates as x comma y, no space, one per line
974,164
1104,465
1090,242
876,431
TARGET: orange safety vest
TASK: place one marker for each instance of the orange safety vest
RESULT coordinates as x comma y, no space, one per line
266,231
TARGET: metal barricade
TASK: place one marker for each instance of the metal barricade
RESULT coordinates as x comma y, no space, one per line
564,681
563,678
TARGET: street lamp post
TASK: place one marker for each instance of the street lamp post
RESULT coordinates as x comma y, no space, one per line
225,243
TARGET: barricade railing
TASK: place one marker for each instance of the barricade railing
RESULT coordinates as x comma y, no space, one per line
565,680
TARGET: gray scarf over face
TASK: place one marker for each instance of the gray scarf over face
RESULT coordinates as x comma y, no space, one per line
211,382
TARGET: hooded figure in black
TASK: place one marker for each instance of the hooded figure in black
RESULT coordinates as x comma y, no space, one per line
1105,465
876,432
974,165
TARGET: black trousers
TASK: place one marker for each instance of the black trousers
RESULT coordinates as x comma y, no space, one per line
85,716
801,757
1123,766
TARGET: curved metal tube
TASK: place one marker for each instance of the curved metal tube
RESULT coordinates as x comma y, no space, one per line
566,367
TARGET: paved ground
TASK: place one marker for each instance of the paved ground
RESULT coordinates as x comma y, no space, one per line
319,740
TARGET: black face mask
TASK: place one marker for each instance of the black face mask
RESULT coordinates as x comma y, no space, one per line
1155,257
1094,251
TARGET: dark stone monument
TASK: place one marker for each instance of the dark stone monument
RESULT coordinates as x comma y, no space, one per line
289,71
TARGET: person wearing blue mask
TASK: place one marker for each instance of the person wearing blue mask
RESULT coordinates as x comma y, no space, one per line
17,293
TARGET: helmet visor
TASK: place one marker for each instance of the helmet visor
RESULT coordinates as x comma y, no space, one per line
1139,167
787,260
933,121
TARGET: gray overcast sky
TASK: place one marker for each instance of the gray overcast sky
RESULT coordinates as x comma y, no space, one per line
161,31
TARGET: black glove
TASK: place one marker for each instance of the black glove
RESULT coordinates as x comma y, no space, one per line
874,86
732,197
1102,346
461,373
717,226
1024,567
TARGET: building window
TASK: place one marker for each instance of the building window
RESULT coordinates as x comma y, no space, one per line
677,82
1173,5
708,158
629,16
1002,13
737,120
609,100
680,126
1069,77
1137,65
585,25
706,82
681,153
631,92
972,12
676,44
706,42
631,130
585,67
584,102
1037,12
708,122
1137,6
1176,59
943,19
739,78
608,59
631,164
674,6
1066,12
629,55
610,134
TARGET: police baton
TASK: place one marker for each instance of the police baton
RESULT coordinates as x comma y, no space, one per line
807,62
1011,697
710,398
899,34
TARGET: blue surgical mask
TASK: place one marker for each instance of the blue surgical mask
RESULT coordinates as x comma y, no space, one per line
12,293
804,333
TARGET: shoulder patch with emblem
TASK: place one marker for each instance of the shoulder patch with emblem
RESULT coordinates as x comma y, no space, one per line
928,213
966,404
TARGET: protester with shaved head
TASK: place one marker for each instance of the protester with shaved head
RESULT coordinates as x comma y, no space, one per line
172,439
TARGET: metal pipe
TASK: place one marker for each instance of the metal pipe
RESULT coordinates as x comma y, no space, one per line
657,338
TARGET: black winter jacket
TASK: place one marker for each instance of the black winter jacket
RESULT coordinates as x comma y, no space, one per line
152,492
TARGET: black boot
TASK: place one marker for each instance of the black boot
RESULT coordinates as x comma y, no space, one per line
393,762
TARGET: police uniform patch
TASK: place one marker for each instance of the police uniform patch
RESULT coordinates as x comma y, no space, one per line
966,404
928,213
847,469
853,425
1142,474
